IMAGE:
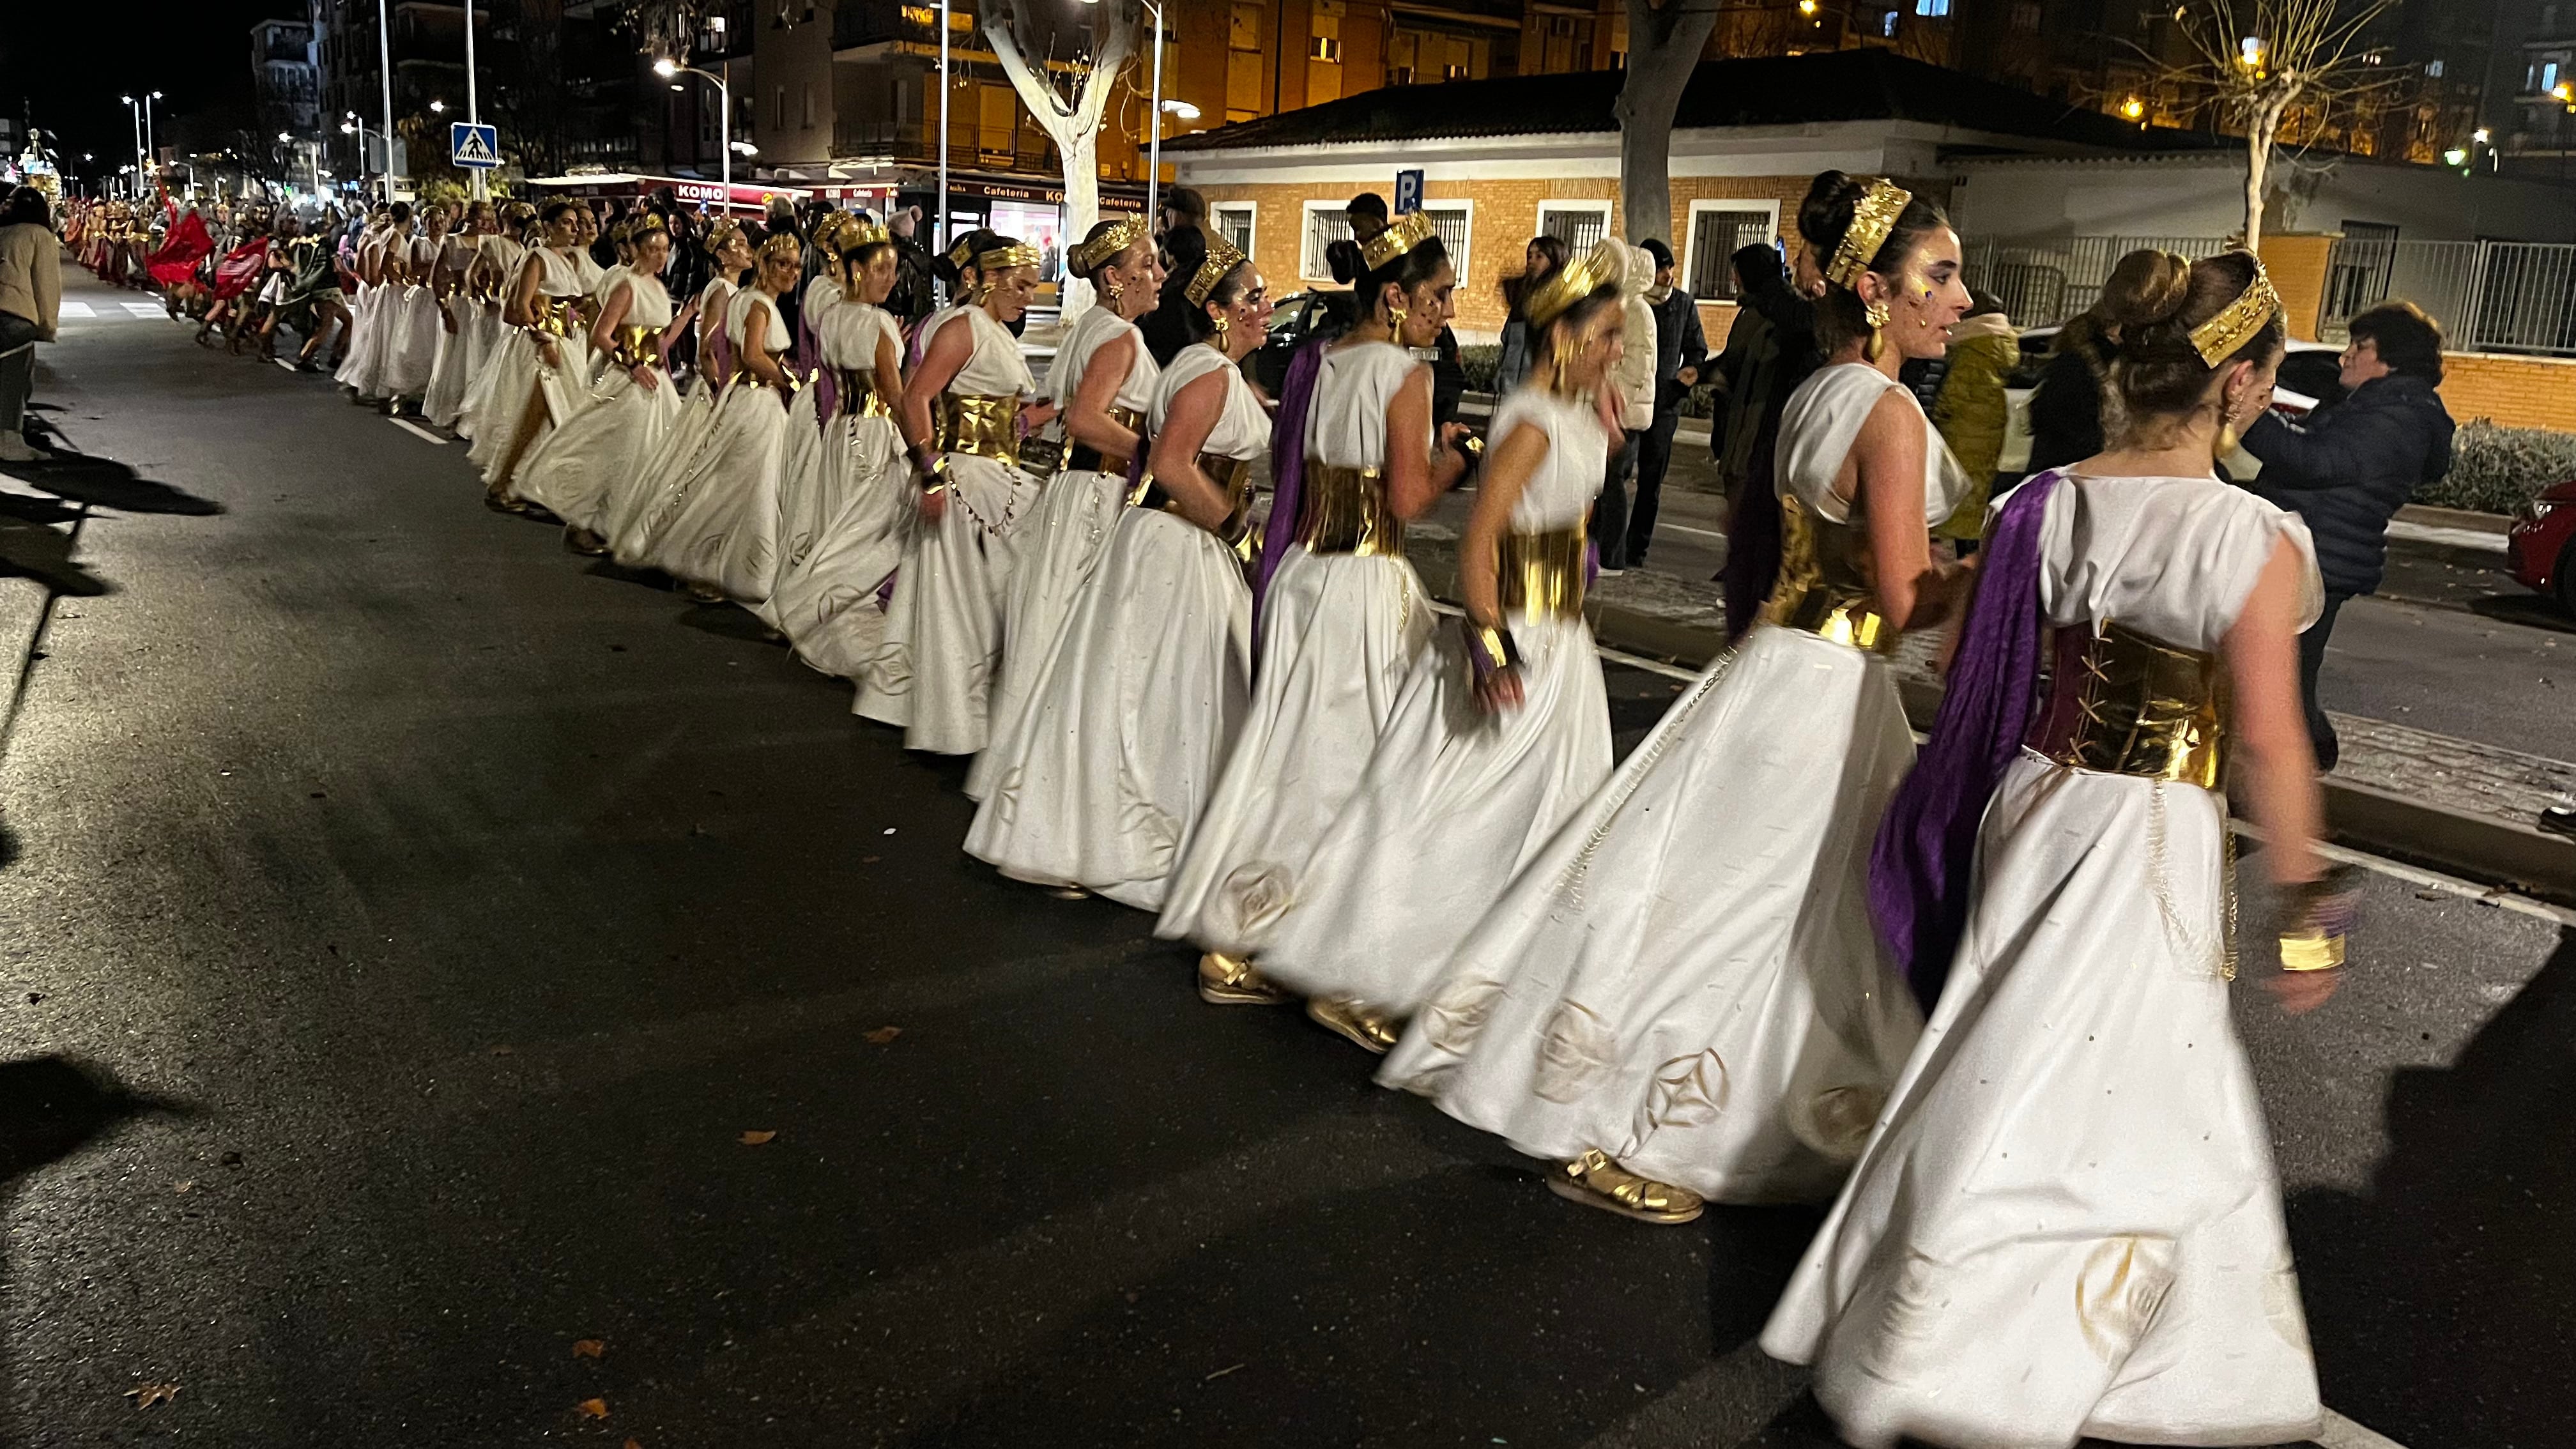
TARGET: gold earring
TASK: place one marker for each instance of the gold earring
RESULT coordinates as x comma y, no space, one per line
1875,314
1220,331
1110,289
1559,364
1395,322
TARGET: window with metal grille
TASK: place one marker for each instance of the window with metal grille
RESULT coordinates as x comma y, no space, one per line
1233,220
1578,224
1716,234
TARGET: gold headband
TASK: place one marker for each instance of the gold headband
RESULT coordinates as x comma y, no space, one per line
1222,259
1872,219
2217,339
1401,235
783,247
962,255
863,234
650,221
1103,249
1013,254
723,234
1572,283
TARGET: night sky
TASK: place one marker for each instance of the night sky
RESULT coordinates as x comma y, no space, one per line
63,63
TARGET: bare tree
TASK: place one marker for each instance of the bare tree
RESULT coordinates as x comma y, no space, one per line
663,28
2262,61
1071,119
1664,44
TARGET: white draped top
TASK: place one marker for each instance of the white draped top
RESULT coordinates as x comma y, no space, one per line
2172,558
1346,421
1823,421
652,304
1242,429
1559,495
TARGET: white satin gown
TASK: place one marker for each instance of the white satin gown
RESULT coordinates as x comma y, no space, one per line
830,603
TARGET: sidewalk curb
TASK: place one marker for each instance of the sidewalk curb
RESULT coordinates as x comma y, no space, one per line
2484,849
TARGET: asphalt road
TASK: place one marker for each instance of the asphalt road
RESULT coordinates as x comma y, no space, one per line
406,922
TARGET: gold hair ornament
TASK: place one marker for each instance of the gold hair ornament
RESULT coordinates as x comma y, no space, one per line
1873,217
1222,258
783,247
1103,249
1573,282
2217,339
962,255
1401,235
1007,256
860,234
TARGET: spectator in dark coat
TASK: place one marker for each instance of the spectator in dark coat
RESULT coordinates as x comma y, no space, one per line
1770,349
1680,349
2353,464
2066,411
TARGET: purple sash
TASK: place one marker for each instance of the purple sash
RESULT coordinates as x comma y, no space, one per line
1927,843
1287,472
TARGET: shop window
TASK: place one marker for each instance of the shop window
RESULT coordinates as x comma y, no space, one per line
1934,9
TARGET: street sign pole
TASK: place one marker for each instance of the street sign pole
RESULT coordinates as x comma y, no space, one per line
473,112
385,62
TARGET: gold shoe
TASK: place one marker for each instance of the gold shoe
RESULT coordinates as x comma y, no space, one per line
704,593
1595,1181
1069,893
584,542
1355,1020
1231,981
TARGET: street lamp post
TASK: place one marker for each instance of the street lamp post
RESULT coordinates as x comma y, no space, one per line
353,124
668,69
385,62
473,108
943,125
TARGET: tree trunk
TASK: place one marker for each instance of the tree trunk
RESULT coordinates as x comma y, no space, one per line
2258,155
1664,45
1074,126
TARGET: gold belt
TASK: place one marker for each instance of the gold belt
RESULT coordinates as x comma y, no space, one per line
2124,704
1233,478
552,314
634,346
1345,511
1091,459
1820,589
859,394
987,426
1542,573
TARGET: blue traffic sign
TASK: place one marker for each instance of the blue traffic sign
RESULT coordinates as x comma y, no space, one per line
474,147
1408,192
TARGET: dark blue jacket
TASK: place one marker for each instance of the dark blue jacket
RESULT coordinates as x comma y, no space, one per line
2350,467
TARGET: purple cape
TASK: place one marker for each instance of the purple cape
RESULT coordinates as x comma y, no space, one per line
1927,843
1287,472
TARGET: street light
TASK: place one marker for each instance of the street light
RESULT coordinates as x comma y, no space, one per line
1154,153
438,108
671,70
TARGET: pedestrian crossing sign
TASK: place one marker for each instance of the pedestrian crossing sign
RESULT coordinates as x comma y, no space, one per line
474,147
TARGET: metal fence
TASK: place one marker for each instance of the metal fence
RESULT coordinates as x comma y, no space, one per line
2044,282
2488,296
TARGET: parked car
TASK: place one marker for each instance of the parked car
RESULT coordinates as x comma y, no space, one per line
1327,312
2540,549
2308,381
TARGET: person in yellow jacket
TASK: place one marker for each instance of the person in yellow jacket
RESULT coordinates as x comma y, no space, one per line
1971,411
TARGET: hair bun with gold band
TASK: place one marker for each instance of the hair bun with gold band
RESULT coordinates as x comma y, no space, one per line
650,221
783,247
2217,339
1576,280
723,234
1401,235
863,233
1105,243
1222,257
1009,254
962,255
1873,217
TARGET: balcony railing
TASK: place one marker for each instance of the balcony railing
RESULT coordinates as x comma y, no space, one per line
989,147
2488,296
2042,283
872,22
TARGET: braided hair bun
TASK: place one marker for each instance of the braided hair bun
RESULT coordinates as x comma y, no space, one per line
2157,299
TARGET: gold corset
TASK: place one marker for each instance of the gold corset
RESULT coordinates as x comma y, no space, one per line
1091,459
1821,589
987,426
1345,511
634,346
2124,704
553,314
1232,477
858,393
1542,573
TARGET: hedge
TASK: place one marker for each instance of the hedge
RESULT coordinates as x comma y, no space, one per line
2497,470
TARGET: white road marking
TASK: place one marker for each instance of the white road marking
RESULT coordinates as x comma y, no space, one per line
78,309
1661,526
146,309
424,434
282,362
2343,1433
2469,538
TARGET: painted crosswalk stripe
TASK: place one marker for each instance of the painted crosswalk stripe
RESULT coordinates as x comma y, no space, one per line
146,309
282,362
417,431
78,309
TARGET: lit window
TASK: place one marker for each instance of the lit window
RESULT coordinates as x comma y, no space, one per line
1887,24
1932,7
2433,68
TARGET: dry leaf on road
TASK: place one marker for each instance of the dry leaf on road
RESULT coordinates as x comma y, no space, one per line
754,1139
593,1408
146,1395
882,1035
588,1348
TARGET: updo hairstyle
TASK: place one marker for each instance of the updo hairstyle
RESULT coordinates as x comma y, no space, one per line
1824,217
2156,302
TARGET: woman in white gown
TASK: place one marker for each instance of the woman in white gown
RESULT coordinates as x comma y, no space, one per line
1504,727
548,362
573,472
2068,1223
829,602
807,494
458,338
964,412
1338,623
634,499
1101,381
497,258
1681,996
715,527
419,319
370,318
1129,722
